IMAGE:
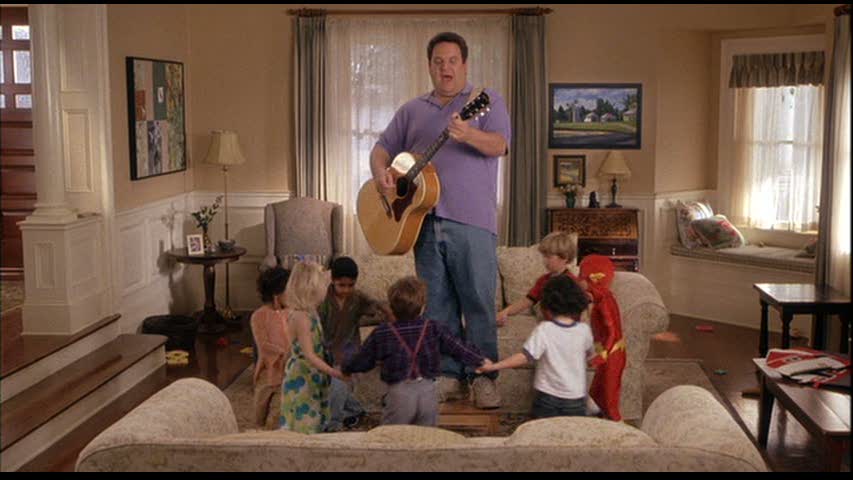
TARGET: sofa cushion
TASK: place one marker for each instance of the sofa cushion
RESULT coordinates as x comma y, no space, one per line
413,435
378,272
520,267
579,432
686,212
717,232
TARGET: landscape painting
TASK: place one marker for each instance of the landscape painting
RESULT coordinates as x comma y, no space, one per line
595,116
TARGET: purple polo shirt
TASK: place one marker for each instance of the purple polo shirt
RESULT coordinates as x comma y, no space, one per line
469,179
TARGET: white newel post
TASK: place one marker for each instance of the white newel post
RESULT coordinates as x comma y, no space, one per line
66,256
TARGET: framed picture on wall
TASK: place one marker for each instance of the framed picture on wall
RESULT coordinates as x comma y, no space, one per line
156,107
569,170
604,116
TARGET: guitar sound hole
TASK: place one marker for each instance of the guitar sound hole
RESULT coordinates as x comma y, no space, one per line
402,187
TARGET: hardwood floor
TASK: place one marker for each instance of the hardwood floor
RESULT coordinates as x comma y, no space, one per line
728,350
217,364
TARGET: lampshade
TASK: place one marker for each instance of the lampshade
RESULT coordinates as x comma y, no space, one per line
224,149
614,166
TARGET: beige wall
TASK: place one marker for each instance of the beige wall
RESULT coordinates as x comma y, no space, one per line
240,60
683,79
243,62
151,31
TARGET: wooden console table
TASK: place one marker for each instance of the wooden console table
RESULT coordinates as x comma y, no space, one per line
612,232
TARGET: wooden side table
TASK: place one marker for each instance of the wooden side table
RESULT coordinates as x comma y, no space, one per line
825,413
211,321
612,232
791,299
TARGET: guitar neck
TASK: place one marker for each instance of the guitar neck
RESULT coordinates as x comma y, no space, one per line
427,155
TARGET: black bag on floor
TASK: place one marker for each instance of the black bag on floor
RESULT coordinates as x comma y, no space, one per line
179,329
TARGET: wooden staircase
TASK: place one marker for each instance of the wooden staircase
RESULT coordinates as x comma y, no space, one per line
58,392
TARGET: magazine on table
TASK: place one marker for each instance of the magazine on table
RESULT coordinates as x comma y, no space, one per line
809,366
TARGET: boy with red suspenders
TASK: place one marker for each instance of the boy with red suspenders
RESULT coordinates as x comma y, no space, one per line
409,347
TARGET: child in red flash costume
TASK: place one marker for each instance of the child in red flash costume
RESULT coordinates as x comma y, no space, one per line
597,272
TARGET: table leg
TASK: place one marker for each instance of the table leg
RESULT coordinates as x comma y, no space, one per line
210,318
787,318
762,341
834,450
765,412
819,331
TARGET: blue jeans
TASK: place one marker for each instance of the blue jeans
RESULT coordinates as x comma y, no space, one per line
342,404
546,406
459,264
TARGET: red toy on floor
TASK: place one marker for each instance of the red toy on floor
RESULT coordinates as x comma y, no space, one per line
606,323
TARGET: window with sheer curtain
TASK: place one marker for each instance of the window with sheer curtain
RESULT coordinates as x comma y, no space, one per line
778,150
374,66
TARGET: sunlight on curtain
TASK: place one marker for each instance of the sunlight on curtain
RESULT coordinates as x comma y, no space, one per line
778,156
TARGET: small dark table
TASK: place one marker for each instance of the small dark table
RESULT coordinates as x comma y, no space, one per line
824,412
803,298
211,321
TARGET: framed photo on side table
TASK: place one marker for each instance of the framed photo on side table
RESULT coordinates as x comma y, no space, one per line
195,244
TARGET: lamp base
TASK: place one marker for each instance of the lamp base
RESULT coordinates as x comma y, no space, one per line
614,205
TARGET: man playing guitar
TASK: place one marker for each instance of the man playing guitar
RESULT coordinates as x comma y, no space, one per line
455,253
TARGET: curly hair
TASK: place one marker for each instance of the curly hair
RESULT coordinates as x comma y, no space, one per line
562,296
272,283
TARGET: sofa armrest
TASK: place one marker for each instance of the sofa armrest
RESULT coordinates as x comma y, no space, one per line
640,302
189,408
690,417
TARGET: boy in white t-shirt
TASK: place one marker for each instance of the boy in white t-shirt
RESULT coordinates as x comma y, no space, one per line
560,346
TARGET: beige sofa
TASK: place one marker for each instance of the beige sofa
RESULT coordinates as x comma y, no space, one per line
643,315
190,426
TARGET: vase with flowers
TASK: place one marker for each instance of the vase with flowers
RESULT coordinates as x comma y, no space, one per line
203,217
570,192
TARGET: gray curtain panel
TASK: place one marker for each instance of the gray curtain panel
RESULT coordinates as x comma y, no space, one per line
528,175
841,52
310,73
777,70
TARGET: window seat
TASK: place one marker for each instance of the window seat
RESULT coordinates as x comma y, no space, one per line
766,257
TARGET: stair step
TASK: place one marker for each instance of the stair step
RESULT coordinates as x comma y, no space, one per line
29,349
37,405
62,455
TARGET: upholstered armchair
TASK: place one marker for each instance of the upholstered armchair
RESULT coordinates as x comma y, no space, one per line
302,226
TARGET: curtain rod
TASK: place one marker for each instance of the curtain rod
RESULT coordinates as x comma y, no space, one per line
311,12
842,10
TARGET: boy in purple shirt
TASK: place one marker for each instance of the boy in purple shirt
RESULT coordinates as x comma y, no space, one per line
409,348
456,251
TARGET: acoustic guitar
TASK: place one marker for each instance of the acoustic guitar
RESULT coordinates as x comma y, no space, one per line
392,222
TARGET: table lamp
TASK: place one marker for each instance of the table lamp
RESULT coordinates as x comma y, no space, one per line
614,167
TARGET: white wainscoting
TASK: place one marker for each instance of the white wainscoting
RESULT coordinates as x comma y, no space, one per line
150,283
720,292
